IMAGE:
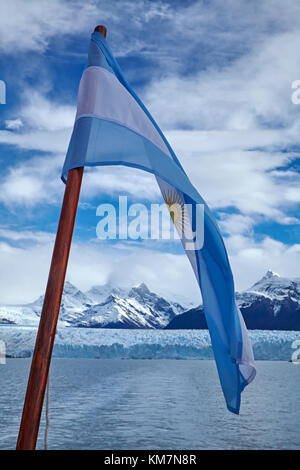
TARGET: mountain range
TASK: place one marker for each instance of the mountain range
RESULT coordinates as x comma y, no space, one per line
101,307
272,303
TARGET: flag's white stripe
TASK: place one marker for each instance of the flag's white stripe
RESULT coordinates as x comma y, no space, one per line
246,363
105,118
102,95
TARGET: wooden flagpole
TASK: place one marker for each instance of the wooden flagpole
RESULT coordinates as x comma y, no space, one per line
41,359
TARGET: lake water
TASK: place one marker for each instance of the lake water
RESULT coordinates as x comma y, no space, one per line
154,404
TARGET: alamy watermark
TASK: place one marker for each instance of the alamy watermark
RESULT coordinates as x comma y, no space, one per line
2,92
2,352
156,221
295,96
295,359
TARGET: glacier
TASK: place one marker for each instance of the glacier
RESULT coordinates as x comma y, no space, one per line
74,342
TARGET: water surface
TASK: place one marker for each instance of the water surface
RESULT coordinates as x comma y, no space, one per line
154,404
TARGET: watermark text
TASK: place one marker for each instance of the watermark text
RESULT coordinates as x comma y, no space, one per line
2,92
156,222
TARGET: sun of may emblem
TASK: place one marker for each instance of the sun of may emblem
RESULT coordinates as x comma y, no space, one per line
175,206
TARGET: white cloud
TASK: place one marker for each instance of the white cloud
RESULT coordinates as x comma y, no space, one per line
26,267
44,124
25,273
41,113
35,181
43,140
38,237
91,263
236,98
157,29
236,224
226,173
250,259
232,103
116,180
30,25
13,124
253,91
245,180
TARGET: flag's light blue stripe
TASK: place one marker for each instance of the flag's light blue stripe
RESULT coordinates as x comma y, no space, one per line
219,318
96,59
105,142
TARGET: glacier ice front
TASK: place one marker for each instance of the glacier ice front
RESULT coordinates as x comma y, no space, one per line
142,344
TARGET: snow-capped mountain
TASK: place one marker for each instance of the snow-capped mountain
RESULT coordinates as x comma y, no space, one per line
274,286
73,303
19,315
272,303
139,309
98,294
101,307
279,300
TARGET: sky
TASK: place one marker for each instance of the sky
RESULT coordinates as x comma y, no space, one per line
216,76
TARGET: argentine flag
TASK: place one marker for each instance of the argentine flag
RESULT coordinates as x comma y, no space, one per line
113,127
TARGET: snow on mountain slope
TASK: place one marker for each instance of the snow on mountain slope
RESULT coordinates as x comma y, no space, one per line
19,315
140,309
102,306
276,287
142,294
74,302
272,303
98,294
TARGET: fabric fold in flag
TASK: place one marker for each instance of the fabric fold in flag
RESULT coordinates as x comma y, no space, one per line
113,127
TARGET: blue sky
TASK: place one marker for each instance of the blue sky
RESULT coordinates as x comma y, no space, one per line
217,78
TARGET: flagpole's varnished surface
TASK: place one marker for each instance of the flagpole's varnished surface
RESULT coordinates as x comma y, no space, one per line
41,359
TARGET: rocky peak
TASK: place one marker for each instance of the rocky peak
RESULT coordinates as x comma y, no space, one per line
140,291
